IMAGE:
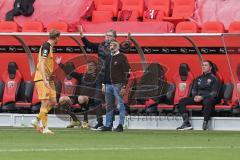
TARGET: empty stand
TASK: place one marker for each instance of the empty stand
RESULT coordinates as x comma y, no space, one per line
8,26
186,27
33,26
213,27
61,26
182,9
135,6
108,5
102,16
234,27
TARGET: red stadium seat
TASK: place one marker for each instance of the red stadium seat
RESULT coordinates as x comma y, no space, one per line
102,16
36,103
213,27
161,5
186,27
12,79
61,26
234,27
8,26
182,10
168,99
236,89
226,102
136,6
183,81
33,26
108,5
161,8
24,97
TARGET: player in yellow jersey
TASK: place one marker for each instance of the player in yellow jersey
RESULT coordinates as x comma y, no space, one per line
44,83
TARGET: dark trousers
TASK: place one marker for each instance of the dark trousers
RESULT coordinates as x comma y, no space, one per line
208,106
98,100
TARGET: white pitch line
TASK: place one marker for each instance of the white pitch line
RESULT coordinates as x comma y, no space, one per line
116,148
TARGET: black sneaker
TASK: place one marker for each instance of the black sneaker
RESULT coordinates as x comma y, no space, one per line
205,125
104,128
97,126
185,126
119,128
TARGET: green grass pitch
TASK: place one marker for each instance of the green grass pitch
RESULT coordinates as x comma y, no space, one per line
78,144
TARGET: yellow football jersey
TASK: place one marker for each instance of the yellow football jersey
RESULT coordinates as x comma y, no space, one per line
46,51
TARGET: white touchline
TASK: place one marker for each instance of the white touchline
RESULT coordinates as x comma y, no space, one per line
117,148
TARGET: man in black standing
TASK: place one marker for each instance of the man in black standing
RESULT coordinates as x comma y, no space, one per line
115,80
103,51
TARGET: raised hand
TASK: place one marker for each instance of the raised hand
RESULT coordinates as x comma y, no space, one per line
58,59
81,31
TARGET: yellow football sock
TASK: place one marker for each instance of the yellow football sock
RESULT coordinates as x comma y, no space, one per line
43,116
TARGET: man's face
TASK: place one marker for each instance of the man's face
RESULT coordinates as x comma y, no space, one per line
109,37
206,67
113,47
56,40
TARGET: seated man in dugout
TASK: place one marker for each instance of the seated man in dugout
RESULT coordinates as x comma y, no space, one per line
204,92
85,93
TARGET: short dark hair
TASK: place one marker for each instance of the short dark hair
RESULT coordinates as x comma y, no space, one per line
115,42
209,62
53,34
114,33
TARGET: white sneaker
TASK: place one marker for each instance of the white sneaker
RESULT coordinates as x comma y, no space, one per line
47,131
36,124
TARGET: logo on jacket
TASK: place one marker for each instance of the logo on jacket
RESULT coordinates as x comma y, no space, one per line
199,81
115,63
182,86
11,84
209,81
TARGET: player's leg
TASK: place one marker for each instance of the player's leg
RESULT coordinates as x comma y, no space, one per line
83,101
43,95
66,103
52,101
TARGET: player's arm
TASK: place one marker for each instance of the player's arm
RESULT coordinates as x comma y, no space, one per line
44,54
86,42
75,75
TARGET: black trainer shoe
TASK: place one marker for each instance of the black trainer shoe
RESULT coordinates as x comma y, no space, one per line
104,128
119,128
185,126
98,125
205,125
